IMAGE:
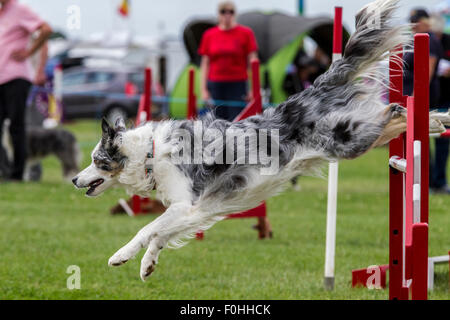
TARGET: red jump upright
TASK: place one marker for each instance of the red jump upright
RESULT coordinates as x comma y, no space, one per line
192,99
408,186
144,114
253,108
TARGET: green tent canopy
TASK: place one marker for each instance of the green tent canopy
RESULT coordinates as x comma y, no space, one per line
279,38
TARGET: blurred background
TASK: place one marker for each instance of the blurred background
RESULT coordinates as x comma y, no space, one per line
103,35
97,53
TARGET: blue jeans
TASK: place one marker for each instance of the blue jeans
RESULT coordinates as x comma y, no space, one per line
235,91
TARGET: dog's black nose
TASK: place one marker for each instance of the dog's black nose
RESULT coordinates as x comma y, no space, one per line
74,180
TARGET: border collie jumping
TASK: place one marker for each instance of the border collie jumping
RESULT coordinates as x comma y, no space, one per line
340,117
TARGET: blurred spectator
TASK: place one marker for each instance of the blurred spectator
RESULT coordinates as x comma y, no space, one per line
442,144
299,74
323,62
226,51
304,71
421,20
17,24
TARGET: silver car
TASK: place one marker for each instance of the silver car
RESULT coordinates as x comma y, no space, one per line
103,92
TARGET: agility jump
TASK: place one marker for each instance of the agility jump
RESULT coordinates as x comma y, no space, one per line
408,187
396,96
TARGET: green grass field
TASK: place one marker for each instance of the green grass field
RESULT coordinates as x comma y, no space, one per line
46,227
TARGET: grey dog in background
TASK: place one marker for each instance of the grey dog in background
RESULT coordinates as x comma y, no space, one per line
40,144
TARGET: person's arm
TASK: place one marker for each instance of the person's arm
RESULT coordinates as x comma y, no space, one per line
44,33
436,51
204,70
252,56
447,73
433,62
40,71
252,49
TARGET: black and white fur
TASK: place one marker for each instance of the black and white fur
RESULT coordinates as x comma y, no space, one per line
340,117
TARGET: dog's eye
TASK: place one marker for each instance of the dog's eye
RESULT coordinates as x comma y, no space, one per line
105,168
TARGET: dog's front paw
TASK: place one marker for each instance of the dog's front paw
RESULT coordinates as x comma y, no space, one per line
117,260
148,262
147,269
122,256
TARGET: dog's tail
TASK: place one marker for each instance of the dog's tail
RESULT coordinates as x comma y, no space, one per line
341,111
356,78
375,38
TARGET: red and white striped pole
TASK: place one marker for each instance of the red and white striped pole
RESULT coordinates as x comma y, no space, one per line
330,245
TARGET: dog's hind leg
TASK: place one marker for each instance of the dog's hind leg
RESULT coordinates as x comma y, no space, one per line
150,258
398,124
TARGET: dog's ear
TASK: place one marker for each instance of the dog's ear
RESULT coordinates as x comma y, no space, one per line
119,125
107,131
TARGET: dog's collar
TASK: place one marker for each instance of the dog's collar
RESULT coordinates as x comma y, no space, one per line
149,159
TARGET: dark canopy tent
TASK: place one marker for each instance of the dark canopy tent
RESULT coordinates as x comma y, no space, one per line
192,37
279,38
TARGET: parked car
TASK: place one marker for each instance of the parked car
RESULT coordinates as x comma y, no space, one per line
99,92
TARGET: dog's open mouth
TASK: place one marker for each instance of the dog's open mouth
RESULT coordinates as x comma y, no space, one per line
94,184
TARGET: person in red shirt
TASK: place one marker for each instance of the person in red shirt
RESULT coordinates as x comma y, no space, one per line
226,51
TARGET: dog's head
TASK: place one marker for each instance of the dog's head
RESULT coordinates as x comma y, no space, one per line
107,161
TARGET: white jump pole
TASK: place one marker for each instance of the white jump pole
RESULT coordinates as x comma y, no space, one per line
330,246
